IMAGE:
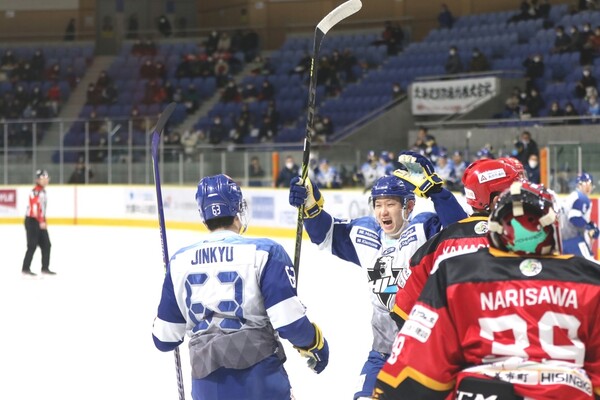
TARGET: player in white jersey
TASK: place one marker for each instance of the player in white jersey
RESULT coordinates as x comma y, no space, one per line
577,227
234,297
382,244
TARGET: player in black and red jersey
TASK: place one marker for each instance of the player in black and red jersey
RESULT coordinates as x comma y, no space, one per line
516,320
35,225
483,181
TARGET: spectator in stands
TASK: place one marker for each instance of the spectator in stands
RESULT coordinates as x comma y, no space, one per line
544,10
443,167
561,41
54,97
138,121
255,172
220,71
303,65
78,174
273,115
556,112
267,130
571,112
109,94
425,143
290,170
526,147
327,176
587,85
231,93
591,48
532,169
224,43
216,132
38,65
323,128
267,91
593,108
133,26
535,103
211,42
154,93
164,26
534,69
241,129
459,165
453,62
397,91
70,30
577,40
148,70
445,18
8,61
189,140
479,61
249,92
191,99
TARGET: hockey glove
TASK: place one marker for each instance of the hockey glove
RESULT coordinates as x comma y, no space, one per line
307,194
418,174
592,230
318,353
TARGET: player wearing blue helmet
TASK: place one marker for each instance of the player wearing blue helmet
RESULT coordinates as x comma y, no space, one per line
577,227
234,297
382,244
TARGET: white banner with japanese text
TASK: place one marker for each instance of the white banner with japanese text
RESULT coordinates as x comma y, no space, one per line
455,96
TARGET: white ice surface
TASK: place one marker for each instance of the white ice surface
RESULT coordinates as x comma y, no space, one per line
86,333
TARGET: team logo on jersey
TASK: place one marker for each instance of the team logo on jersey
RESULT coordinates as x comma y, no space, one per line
481,228
382,278
530,267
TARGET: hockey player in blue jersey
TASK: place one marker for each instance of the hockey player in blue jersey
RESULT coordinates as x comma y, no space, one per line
577,226
234,297
381,244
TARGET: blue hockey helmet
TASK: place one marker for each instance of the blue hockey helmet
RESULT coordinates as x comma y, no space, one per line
585,177
390,186
219,196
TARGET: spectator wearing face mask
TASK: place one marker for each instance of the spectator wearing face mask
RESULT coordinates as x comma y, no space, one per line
587,85
534,69
453,62
561,41
533,169
479,61
289,171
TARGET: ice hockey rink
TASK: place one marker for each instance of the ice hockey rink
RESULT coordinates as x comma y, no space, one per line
86,333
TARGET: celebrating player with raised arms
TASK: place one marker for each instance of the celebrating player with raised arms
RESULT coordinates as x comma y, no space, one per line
577,226
234,297
381,244
483,181
513,321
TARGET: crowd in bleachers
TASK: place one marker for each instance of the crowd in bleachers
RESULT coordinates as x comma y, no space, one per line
34,83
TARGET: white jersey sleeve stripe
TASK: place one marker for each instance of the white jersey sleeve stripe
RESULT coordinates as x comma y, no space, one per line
286,312
168,331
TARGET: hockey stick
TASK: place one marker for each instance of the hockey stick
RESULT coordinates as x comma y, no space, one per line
160,126
341,12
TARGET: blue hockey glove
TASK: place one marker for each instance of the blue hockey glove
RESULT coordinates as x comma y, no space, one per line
592,230
418,174
307,194
318,353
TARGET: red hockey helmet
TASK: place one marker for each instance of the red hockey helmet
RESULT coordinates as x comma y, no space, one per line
484,179
525,221
516,164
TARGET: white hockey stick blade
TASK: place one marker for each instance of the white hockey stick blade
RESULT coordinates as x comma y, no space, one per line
341,12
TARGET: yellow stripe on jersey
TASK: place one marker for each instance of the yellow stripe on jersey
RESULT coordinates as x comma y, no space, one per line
397,310
409,372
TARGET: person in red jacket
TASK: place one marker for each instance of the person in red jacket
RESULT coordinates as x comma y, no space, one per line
483,181
35,225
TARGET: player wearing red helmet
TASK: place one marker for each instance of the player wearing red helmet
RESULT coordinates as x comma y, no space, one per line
483,181
512,321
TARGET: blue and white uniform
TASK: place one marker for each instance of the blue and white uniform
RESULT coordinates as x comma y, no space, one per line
362,241
234,297
577,210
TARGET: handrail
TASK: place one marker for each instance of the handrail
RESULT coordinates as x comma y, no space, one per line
475,122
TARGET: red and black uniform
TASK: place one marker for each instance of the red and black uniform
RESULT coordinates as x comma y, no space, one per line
35,226
530,321
465,236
